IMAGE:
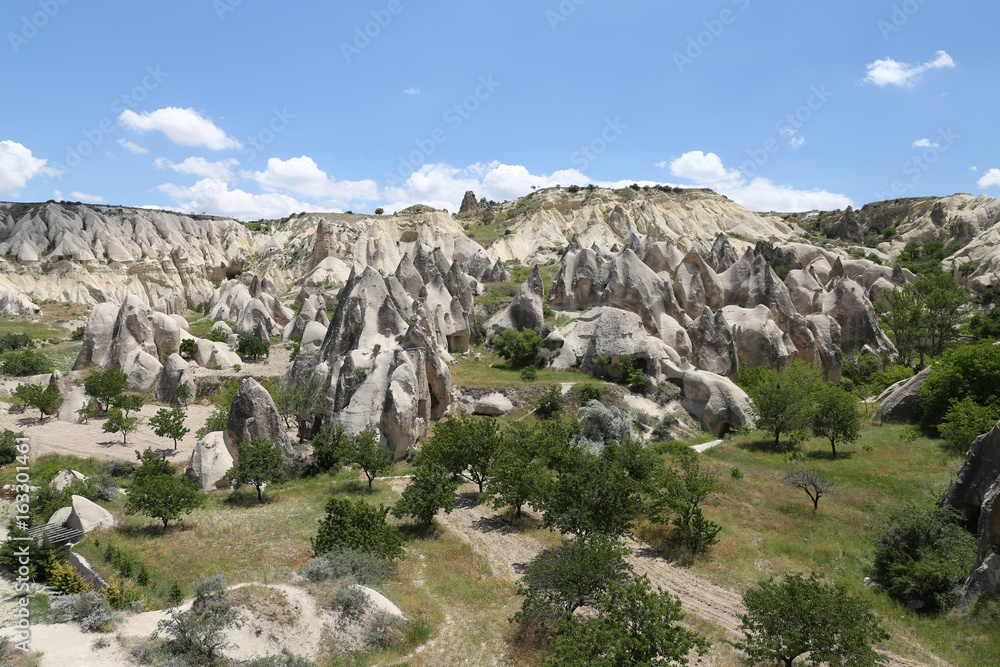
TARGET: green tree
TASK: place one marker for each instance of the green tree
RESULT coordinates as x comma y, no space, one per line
518,477
358,526
967,370
297,403
259,462
431,489
835,415
550,403
780,401
251,347
182,394
922,552
634,626
330,448
367,454
799,615
117,422
189,348
686,489
519,348
922,317
901,317
169,424
157,493
965,421
9,446
28,362
43,399
127,403
572,575
467,446
104,386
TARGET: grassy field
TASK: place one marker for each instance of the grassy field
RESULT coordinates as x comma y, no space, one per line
769,528
492,371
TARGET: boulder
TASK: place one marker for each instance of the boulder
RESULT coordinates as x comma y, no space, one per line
716,402
210,461
87,516
15,303
141,369
60,516
494,404
900,403
66,478
525,311
73,401
176,372
166,333
254,415
97,336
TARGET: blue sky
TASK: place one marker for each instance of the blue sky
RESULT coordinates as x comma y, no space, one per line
257,109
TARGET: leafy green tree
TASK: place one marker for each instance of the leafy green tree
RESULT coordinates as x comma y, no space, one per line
169,424
182,394
519,348
251,347
550,404
965,421
43,399
298,402
835,415
259,462
781,402
591,495
157,493
686,489
189,348
127,403
358,526
104,386
632,375
922,552
799,615
431,489
466,446
901,317
924,316
9,446
572,575
518,477
367,454
967,370
28,362
634,625
330,448
117,422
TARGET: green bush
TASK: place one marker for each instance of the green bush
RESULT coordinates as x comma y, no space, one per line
551,403
358,526
529,373
519,348
189,348
218,336
78,333
590,392
632,375
251,348
8,446
969,370
16,341
879,381
965,421
28,362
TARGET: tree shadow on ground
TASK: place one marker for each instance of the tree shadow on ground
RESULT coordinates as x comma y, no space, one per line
247,499
827,455
766,447
416,531
154,529
352,486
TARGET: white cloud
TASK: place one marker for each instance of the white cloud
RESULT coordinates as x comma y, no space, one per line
186,127
443,186
84,197
302,176
18,166
213,196
662,164
759,194
412,91
221,170
704,168
990,179
794,137
975,168
925,143
132,147
889,72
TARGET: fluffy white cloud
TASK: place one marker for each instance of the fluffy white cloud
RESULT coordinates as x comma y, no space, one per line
303,176
758,194
990,179
186,127
221,170
84,197
213,196
18,166
703,168
132,147
443,186
412,91
889,72
925,143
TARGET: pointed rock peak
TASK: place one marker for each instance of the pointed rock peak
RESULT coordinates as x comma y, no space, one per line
837,270
574,244
535,283
898,277
469,202
938,215
615,249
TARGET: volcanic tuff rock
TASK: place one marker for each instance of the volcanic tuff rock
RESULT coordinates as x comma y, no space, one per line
254,415
176,372
525,311
210,461
976,495
900,403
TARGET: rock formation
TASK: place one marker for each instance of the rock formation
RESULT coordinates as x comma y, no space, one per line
254,415
900,403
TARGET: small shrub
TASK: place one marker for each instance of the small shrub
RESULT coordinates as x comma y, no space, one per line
356,566
28,362
551,403
383,630
78,333
218,336
89,609
529,373
590,392
350,601
189,348
251,348
64,578
176,595
736,473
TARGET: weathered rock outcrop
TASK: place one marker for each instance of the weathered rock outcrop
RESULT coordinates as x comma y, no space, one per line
975,494
87,515
175,373
254,415
579,270
715,401
612,332
759,341
525,311
713,344
210,461
900,403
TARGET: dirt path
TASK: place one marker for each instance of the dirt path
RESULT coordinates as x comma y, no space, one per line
509,552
